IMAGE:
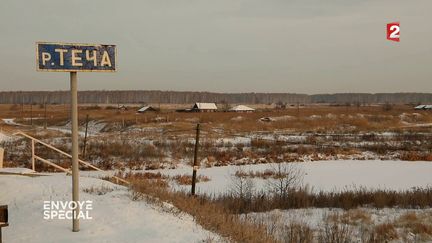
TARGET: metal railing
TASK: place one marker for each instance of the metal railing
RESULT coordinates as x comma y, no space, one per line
35,157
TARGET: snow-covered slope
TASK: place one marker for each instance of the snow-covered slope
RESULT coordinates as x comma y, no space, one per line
116,218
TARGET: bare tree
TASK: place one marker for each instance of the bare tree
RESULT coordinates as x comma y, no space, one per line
286,176
241,185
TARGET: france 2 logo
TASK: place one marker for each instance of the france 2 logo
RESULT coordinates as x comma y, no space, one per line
393,31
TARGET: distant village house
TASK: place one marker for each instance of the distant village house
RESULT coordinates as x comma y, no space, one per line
204,107
241,108
122,108
423,107
146,108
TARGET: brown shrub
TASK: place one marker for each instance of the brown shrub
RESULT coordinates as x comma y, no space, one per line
260,174
417,224
354,217
297,233
333,232
384,233
187,179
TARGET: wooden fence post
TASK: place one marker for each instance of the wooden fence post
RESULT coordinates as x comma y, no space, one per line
33,154
195,163
1,157
85,137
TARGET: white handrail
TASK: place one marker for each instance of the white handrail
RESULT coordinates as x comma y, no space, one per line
61,152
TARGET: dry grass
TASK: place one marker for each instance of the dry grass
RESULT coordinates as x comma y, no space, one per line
297,233
187,179
385,232
334,232
303,198
418,224
209,215
256,174
121,147
100,190
309,118
352,217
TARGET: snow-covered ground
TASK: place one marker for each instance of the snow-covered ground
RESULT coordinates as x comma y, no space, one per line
93,128
116,218
4,137
326,175
16,170
360,221
10,121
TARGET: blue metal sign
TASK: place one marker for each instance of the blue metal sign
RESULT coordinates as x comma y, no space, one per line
67,57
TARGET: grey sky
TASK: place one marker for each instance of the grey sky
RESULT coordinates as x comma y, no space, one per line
303,46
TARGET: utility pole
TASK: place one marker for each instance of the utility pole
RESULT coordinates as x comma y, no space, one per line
85,137
45,113
31,112
22,107
75,167
195,163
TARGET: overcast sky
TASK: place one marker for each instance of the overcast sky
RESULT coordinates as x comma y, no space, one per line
302,46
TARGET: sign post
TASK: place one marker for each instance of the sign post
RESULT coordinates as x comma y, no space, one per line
73,58
75,165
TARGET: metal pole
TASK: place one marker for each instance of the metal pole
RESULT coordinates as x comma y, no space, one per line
195,163
75,168
85,136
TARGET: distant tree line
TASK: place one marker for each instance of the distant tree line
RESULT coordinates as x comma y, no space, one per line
177,97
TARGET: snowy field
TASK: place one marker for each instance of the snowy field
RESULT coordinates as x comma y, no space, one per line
116,218
360,221
326,175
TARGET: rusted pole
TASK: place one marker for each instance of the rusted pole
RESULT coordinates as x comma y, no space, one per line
195,162
85,137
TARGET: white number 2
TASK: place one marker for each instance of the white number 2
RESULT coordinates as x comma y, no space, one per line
395,31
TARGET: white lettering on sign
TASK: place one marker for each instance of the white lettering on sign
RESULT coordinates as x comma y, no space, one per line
61,52
45,57
76,58
64,57
105,59
92,58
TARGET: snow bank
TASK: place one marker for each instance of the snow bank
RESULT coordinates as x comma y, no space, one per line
16,170
116,218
